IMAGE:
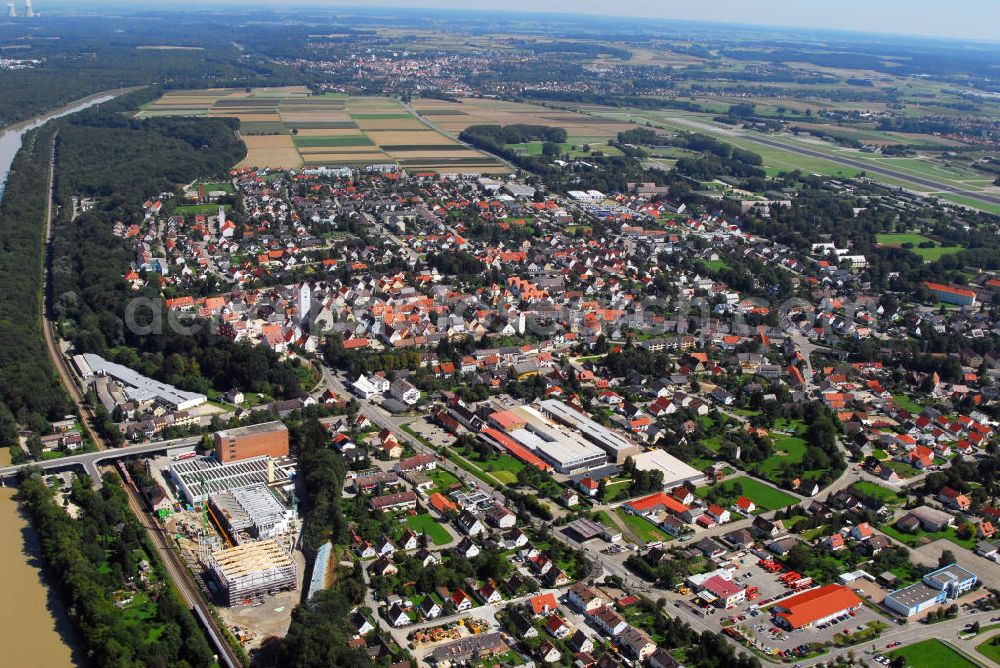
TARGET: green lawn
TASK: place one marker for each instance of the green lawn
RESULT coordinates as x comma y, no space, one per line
990,650
902,468
198,208
616,490
223,185
900,238
932,653
443,479
424,523
641,527
877,492
504,468
912,538
928,254
765,497
715,265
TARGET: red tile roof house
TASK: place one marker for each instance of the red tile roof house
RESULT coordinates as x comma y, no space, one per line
954,499
745,505
543,604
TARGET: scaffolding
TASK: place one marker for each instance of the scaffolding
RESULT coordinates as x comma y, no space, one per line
253,570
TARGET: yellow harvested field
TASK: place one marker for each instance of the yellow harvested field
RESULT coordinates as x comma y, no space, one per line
389,124
279,91
409,138
269,141
466,169
271,151
499,112
432,155
314,116
283,158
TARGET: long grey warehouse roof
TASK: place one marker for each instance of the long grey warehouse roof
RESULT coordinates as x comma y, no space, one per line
143,388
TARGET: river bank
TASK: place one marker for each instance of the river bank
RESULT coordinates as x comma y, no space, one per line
34,627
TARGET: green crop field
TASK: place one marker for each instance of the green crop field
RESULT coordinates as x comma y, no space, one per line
932,653
424,523
344,140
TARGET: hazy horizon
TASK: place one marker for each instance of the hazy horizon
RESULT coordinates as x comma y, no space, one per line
976,19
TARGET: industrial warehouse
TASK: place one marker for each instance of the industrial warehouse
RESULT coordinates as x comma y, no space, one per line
203,476
562,436
135,386
252,570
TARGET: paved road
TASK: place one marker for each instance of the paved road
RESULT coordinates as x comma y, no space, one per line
90,461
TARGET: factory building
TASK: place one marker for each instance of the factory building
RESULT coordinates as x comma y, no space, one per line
675,472
617,446
565,449
937,587
269,438
137,387
252,570
250,513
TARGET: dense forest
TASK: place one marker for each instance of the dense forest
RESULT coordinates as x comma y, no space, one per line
77,57
92,559
30,393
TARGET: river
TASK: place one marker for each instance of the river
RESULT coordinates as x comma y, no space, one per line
34,628
10,136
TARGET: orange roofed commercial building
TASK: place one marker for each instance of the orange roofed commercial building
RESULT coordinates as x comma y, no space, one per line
269,438
816,606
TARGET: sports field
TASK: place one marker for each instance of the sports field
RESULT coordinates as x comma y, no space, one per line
288,128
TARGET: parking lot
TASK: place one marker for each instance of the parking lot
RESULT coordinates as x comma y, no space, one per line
426,429
756,625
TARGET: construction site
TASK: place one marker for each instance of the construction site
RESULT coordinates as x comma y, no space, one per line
236,526
247,573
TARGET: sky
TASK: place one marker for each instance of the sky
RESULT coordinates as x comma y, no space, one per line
972,19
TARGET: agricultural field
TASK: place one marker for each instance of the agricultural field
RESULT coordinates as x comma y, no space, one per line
454,117
289,128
